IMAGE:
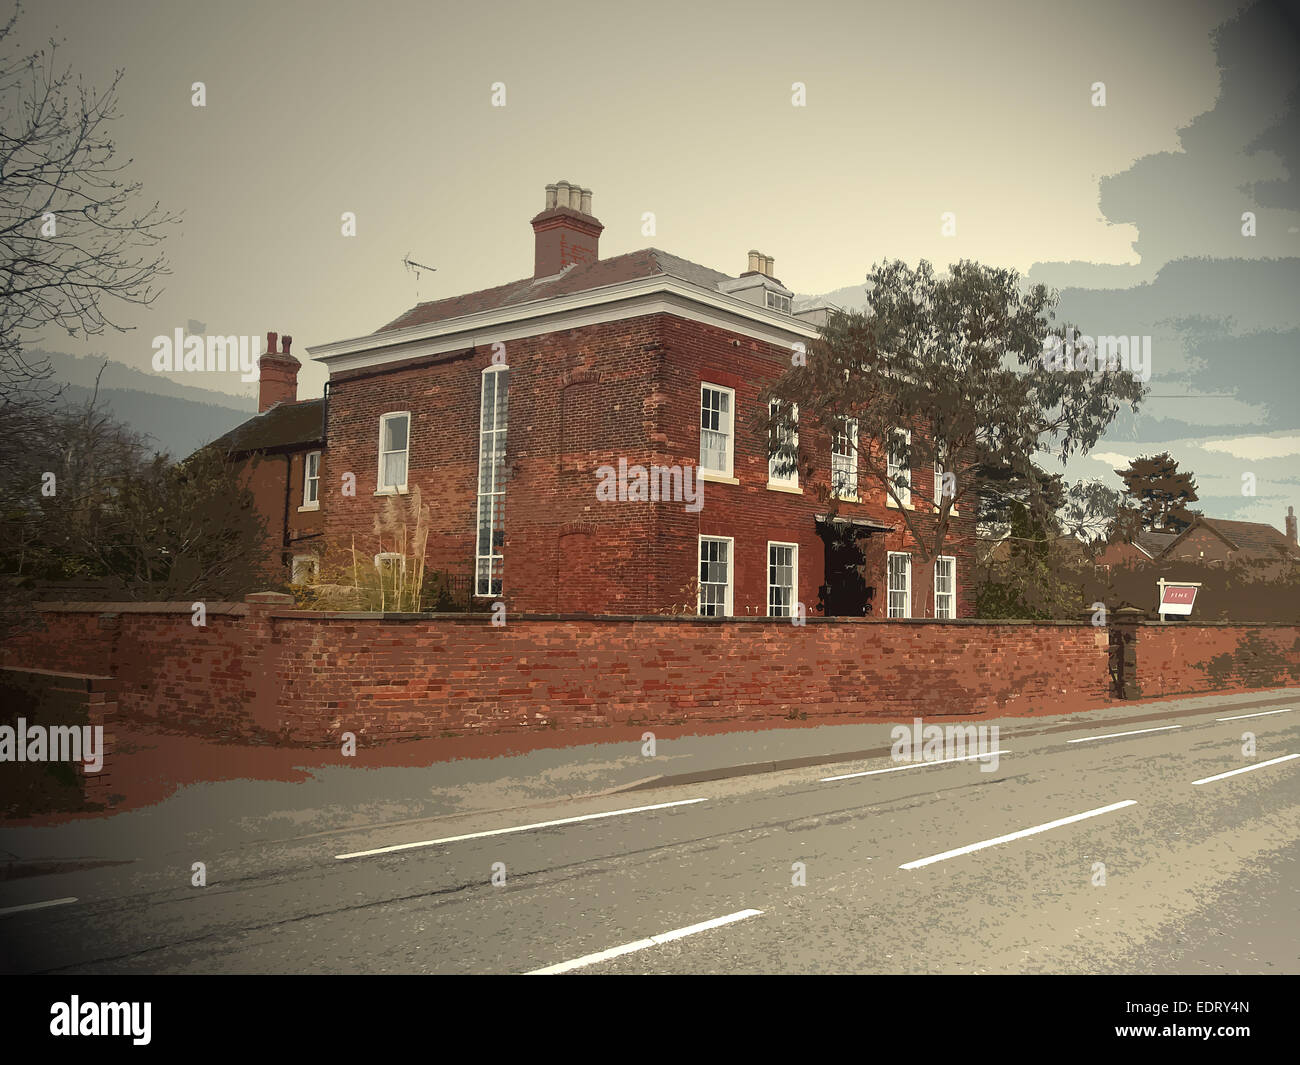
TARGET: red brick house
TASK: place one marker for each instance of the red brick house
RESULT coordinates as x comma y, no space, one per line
279,453
1212,541
642,369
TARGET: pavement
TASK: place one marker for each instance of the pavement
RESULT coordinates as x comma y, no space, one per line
1099,843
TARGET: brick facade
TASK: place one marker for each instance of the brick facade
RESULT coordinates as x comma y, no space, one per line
578,400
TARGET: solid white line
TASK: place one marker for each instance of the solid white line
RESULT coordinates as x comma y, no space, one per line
642,944
1017,835
911,765
36,905
516,828
1115,735
1247,769
1239,717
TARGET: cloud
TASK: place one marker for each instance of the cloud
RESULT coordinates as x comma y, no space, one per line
1256,447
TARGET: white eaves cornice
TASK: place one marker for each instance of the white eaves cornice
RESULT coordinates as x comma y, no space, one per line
661,294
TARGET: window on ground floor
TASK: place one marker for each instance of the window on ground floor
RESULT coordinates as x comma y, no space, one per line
715,576
945,587
782,579
900,585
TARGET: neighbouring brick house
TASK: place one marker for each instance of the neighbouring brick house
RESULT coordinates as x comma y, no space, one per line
640,360
1213,541
279,453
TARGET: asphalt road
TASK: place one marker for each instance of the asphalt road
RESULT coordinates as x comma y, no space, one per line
926,869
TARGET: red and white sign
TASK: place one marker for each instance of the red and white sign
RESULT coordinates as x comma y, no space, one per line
1177,599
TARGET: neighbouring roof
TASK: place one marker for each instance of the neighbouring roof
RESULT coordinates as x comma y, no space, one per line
649,262
1253,537
282,427
1153,543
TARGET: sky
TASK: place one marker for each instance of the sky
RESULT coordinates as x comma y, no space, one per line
988,111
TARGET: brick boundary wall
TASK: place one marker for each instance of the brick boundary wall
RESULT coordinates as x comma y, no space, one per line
1179,658
48,698
261,670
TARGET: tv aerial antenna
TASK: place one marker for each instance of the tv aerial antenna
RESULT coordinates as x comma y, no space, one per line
415,268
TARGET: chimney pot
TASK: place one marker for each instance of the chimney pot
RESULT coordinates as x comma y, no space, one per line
769,266
277,374
560,240
755,262
285,341
1291,526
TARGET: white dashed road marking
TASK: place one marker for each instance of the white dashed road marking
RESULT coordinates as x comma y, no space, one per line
642,944
1017,835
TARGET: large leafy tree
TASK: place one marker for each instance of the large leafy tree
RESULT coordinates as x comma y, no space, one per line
947,372
1158,492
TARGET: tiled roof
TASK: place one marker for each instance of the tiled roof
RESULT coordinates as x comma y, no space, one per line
286,425
1253,537
649,262
1153,543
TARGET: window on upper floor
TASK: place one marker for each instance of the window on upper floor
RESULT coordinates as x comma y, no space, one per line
717,430
898,468
844,460
783,460
394,450
778,302
311,481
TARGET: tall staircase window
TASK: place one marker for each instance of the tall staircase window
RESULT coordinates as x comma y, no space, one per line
491,535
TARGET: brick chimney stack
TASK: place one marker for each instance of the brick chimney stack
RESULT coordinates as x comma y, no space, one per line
1290,525
566,232
277,374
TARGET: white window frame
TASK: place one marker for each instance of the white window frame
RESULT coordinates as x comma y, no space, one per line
386,556
892,469
731,573
907,582
939,471
310,561
950,595
791,479
310,499
775,301
706,386
383,489
494,498
850,492
794,578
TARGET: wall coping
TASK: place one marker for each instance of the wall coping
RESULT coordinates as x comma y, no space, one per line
93,682
219,607
1172,625
225,608
484,617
